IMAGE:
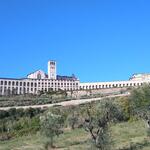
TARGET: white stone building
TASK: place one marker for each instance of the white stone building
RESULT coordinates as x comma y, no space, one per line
138,77
40,81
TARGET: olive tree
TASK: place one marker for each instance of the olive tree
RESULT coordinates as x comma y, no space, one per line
139,103
98,120
51,126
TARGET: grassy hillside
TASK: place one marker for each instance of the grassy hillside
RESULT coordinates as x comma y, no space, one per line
124,136
116,124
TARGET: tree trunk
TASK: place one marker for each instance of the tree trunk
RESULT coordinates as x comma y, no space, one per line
51,142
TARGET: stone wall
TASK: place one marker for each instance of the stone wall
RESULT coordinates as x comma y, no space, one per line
98,92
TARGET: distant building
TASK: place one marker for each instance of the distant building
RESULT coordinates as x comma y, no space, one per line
40,81
39,74
138,77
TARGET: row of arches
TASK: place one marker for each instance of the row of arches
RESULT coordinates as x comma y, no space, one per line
20,83
109,85
32,86
17,83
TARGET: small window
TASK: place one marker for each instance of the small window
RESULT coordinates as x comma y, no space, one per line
31,84
5,82
1,82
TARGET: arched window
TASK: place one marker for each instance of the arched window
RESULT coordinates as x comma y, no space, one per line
9,83
20,83
38,76
1,82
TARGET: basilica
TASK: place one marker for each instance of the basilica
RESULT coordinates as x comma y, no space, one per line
41,81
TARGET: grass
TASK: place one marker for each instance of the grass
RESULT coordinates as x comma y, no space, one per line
69,140
124,135
129,134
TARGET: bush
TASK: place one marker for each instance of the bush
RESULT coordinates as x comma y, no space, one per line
124,104
25,126
139,99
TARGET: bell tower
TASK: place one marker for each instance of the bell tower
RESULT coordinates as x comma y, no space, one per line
52,69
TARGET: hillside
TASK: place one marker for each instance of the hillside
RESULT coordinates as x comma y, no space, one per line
125,135
114,123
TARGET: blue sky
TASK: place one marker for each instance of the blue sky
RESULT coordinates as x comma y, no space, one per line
97,40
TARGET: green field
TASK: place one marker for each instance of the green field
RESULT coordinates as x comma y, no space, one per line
124,135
